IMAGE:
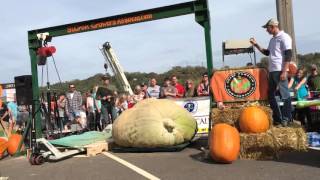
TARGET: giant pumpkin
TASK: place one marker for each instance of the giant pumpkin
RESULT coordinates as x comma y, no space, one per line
154,123
224,143
13,143
253,120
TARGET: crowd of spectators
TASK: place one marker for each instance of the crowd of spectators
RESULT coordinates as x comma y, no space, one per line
305,86
100,106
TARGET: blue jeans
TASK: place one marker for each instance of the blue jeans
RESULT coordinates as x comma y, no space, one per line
280,115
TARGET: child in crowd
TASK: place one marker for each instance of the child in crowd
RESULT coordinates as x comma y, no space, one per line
121,104
130,101
298,85
139,94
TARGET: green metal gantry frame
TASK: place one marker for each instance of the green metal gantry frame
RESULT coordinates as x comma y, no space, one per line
199,7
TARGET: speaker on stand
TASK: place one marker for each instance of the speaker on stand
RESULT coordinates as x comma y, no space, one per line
23,86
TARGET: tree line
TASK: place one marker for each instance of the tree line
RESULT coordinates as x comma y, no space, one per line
183,73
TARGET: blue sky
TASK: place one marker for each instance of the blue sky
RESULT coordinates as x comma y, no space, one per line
145,47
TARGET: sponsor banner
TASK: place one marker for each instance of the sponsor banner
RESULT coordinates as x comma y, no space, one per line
240,85
199,107
111,22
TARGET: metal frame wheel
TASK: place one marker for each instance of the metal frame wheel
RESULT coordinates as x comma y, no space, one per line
39,160
32,159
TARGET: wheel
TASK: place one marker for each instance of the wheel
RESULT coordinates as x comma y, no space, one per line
32,159
39,160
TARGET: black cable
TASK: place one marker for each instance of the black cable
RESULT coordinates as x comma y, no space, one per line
48,76
55,66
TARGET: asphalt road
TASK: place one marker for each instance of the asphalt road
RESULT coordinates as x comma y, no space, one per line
189,163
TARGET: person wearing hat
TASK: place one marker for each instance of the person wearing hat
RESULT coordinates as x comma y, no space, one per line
107,102
280,55
313,81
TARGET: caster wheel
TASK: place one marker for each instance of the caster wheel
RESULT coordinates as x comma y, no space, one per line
32,159
39,160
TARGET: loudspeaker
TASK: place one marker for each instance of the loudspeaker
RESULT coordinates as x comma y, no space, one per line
23,89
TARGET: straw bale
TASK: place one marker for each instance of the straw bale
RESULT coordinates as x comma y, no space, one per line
289,139
270,145
231,115
257,146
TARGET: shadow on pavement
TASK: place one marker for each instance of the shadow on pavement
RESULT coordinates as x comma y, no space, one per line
310,158
203,157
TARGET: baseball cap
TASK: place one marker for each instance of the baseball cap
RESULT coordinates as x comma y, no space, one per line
105,77
271,22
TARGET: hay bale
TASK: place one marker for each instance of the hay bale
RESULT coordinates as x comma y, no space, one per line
270,145
289,139
228,115
231,115
257,146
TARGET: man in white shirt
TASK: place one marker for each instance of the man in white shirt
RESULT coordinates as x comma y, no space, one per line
280,55
153,90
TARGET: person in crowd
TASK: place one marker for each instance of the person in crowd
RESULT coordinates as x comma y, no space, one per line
23,116
55,121
112,109
190,90
180,89
139,94
298,85
153,90
203,88
5,118
74,104
107,101
144,88
62,103
121,104
313,81
97,110
168,91
90,111
249,64
280,55
130,101
13,113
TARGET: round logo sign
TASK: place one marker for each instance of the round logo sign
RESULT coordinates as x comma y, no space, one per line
191,106
240,84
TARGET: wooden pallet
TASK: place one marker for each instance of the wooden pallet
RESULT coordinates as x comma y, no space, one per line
96,148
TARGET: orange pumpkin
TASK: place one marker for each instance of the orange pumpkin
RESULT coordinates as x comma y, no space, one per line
3,146
253,120
224,143
13,143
